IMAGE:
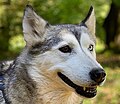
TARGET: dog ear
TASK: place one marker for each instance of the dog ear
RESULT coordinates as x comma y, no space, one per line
33,26
90,20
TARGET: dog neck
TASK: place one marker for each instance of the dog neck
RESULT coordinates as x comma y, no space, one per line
50,92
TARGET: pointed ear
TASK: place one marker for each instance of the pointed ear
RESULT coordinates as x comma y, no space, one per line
90,20
33,26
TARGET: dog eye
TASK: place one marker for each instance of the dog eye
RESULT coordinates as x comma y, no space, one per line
91,47
65,49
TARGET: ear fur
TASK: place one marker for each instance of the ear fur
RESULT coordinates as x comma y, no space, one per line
33,26
90,21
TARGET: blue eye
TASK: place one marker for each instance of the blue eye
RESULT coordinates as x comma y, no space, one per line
91,47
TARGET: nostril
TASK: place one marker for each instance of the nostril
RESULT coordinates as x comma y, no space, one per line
98,75
103,74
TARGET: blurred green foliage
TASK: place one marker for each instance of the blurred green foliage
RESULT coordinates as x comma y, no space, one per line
54,11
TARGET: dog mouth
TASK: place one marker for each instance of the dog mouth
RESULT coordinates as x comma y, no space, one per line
87,92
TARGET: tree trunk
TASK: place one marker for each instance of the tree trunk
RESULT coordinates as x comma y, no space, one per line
112,26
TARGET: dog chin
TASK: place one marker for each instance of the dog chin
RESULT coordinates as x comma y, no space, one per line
87,92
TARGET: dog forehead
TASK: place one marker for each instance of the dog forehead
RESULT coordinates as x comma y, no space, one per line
75,30
67,29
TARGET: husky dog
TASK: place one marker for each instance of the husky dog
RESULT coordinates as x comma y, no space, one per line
58,64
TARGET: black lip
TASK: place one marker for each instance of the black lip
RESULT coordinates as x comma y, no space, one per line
88,92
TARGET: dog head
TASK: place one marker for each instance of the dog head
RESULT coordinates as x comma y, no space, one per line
65,53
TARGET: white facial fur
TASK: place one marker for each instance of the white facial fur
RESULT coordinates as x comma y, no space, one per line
76,65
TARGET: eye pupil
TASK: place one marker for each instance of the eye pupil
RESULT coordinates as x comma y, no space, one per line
65,49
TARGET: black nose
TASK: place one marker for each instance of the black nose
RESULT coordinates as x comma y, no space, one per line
98,75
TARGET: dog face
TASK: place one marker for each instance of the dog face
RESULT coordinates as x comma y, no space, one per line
65,53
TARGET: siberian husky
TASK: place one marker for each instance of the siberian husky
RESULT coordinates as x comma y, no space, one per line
57,66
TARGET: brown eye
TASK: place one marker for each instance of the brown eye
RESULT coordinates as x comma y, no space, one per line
65,49
91,47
